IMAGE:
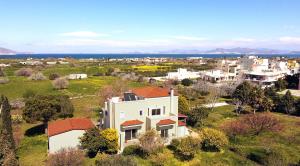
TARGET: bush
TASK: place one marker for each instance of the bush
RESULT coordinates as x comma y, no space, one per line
53,76
234,128
160,159
186,82
16,119
4,80
116,160
187,148
151,142
212,140
174,144
26,72
110,137
29,93
2,74
37,76
133,150
69,156
60,83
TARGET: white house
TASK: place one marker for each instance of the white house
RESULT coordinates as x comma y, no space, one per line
143,109
65,133
77,76
182,74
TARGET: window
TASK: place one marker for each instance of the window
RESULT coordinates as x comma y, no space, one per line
122,115
164,133
141,112
156,111
164,110
130,134
106,113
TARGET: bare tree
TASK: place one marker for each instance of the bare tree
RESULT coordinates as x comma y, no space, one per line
116,89
213,96
150,141
60,83
69,156
37,76
26,72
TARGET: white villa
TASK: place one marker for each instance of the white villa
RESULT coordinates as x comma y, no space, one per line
218,76
77,76
143,109
182,74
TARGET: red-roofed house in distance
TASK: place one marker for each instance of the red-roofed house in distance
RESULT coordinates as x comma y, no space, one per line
142,109
65,133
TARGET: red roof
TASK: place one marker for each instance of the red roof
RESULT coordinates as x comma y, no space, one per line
182,115
61,126
166,122
180,123
131,123
151,92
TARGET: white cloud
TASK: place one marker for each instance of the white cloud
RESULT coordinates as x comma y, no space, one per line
242,39
192,38
84,34
290,40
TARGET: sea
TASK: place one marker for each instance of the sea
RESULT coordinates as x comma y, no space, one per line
117,56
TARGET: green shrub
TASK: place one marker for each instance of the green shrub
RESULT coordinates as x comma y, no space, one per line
174,144
213,140
133,150
187,148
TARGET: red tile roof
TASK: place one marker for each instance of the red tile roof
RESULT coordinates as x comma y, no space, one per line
151,92
131,123
181,115
180,123
61,126
166,122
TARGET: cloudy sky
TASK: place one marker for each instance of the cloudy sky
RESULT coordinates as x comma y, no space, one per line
101,26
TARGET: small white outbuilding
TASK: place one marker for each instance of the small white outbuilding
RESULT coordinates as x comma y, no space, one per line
66,133
77,76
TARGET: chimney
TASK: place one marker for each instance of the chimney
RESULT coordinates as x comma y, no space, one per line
171,100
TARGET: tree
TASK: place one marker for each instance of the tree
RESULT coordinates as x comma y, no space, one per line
213,140
258,123
116,89
46,108
186,82
281,84
196,116
287,103
66,157
92,142
110,137
183,106
235,128
7,144
150,141
213,96
242,92
60,83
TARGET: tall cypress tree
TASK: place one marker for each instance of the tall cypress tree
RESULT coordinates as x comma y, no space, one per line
7,143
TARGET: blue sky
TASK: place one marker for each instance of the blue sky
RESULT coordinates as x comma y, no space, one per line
91,26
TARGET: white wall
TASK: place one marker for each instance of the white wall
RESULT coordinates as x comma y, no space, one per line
65,140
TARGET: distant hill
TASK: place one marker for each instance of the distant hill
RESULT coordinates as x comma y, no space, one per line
5,51
240,50
237,50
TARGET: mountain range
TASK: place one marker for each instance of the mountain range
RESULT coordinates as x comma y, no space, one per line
5,51
237,50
